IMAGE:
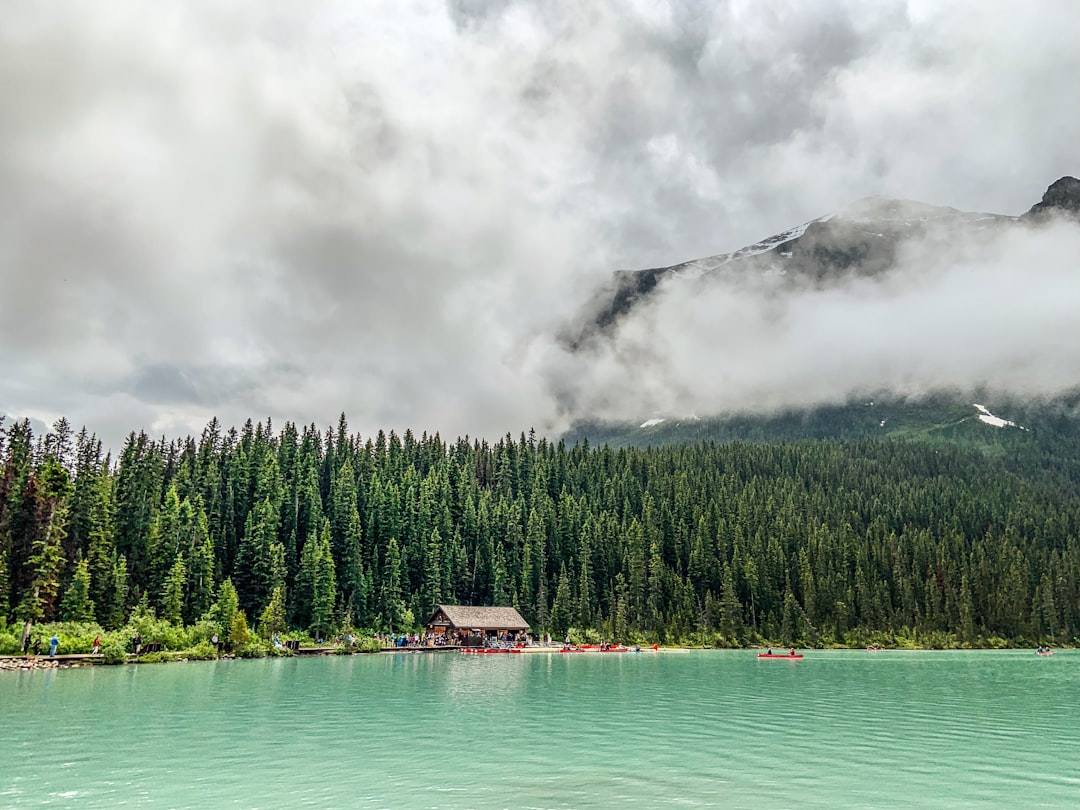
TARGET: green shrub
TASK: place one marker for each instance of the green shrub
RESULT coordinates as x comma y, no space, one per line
155,631
155,658
203,651
203,630
9,644
75,637
254,648
239,634
114,650
368,644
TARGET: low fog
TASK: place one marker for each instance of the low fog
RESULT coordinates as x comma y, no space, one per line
391,209
992,311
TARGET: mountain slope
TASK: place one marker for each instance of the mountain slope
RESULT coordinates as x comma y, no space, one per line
864,239
1001,427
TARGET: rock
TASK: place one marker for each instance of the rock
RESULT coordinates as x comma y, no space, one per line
1062,197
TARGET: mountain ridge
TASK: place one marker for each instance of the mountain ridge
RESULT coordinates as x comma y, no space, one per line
864,239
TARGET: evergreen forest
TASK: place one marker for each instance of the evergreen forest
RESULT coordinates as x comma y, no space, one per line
807,543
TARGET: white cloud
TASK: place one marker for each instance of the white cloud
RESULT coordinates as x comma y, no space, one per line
387,209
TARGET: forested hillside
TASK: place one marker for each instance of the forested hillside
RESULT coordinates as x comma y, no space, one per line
804,542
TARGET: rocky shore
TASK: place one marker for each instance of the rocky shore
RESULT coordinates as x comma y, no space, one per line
37,662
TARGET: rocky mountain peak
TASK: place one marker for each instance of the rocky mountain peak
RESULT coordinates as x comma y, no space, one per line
1063,197
863,239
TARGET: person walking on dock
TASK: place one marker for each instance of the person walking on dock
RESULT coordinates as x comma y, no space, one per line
54,642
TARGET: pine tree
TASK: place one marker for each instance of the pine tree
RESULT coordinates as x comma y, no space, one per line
586,600
392,604
165,543
172,597
560,609
431,587
119,595
5,584
227,608
304,592
789,628
77,606
324,587
272,619
730,618
239,634
53,487
101,550
200,583
260,561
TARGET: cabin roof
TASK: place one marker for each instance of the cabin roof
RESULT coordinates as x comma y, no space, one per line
467,617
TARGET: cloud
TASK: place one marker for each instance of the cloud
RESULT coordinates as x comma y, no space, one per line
993,313
388,209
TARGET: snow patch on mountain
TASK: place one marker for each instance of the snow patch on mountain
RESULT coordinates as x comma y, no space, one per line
996,421
699,267
652,422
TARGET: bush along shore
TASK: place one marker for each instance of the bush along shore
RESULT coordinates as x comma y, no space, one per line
222,633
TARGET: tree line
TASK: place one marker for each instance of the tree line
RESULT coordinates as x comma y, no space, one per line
804,543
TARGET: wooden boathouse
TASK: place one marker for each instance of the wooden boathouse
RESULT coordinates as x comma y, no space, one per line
471,625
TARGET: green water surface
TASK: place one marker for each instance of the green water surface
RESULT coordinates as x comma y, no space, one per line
697,729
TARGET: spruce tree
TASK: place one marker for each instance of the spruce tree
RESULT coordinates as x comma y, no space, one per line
561,608
227,608
272,619
118,598
77,606
172,597
52,489
200,582
324,587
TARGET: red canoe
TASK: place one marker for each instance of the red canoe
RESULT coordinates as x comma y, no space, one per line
488,650
788,656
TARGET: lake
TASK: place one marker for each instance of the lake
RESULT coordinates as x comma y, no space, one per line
683,729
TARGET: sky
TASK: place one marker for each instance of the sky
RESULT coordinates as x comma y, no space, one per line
391,209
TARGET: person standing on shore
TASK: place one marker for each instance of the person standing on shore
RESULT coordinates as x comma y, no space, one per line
54,642
97,645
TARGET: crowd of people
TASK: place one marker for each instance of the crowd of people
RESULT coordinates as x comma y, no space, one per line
456,638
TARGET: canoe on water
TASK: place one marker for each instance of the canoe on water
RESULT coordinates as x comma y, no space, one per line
788,656
488,650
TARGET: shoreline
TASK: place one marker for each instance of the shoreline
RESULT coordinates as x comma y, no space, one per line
19,663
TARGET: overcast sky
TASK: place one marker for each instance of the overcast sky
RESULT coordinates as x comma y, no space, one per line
388,208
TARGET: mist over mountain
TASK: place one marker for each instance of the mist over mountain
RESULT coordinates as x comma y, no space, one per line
867,238
884,299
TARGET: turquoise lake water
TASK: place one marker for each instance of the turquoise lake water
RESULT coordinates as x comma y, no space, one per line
696,729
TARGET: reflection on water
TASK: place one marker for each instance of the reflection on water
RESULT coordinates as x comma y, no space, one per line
838,729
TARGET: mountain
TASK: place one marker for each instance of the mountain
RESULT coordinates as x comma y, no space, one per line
864,239
997,427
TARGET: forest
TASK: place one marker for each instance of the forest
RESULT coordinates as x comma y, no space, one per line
808,543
